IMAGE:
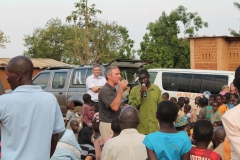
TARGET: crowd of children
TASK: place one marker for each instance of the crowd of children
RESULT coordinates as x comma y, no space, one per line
184,130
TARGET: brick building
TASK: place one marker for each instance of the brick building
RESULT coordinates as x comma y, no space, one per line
215,53
38,63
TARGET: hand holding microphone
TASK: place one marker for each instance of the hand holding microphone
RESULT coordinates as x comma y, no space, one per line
143,90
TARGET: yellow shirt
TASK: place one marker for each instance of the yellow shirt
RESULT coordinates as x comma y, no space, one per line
222,109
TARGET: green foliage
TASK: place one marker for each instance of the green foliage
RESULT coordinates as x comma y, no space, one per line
233,32
3,39
162,44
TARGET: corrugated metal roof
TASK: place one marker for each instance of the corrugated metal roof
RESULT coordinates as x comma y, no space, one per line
40,63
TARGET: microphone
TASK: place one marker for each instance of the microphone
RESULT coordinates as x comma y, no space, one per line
144,93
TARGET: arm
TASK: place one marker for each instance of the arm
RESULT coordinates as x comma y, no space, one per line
151,154
66,122
53,144
92,86
115,105
134,98
186,156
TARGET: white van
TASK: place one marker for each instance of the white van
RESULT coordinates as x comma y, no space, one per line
190,82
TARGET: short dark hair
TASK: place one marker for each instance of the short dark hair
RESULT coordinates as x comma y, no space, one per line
219,95
173,99
227,95
143,71
235,95
181,99
188,107
219,123
180,103
95,125
203,101
86,98
236,81
203,131
165,94
115,125
167,111
212,96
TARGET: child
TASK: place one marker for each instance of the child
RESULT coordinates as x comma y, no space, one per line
224,90
216,115
181,123
186,101
167,143
195,110
70,114
97,139
222,107
202,134
181,99
173,99
87,111
191,132
216,124
115,126
236,102
165,96
203,102
212,98
187,109
75,127
233,97
227,100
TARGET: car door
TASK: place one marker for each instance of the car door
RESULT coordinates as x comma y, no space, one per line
59,87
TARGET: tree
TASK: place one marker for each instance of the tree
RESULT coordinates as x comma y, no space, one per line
51,42
84,14
233,32
162,44
3,39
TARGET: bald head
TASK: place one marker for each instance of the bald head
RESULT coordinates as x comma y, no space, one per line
129,117
219,135
19,71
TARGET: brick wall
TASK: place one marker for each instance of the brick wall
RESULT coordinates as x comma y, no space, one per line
205,53
234,55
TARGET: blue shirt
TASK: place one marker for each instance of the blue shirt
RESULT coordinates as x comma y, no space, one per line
168,146
29,118
230,105
67,147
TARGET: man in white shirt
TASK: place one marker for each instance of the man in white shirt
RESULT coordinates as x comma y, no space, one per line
231,123
94,83
128,145
31,118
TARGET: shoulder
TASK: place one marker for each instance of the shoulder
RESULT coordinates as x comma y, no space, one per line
155,86
89,77
137,87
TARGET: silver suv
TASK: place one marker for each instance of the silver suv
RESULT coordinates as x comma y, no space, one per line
69,83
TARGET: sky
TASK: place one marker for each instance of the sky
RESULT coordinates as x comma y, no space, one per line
21,17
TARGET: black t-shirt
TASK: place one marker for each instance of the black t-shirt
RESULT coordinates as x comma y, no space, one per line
105,98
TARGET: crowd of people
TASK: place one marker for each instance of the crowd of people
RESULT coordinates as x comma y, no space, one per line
151,126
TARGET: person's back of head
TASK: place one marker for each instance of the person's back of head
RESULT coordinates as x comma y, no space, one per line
86,98
219,135
173,99
202,133
95,125
115,126
203,102
187,108
180,104
84,136
165,96
167,112
128,118
70,105
186,100
19,71
181,99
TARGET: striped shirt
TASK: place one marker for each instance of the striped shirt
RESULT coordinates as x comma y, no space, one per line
87,150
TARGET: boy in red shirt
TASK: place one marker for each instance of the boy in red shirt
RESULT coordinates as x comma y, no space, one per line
202,134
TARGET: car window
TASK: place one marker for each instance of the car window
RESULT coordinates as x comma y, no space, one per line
152,77
42,79
218,82
79,76
166,80
206,83
184,82
59,80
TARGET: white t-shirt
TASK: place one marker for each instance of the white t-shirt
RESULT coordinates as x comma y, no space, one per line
29,117
92,81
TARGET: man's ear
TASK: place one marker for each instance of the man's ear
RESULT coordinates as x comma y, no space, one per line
19,76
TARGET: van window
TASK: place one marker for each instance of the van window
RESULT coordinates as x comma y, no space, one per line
152,76
79,76
195,83
42,80
59,80
184,82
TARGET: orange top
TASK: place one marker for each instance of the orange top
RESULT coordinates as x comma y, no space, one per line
226,150
222,109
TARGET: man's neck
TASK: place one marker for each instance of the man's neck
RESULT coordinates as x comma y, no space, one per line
202,145
111,83
96,76
167,127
